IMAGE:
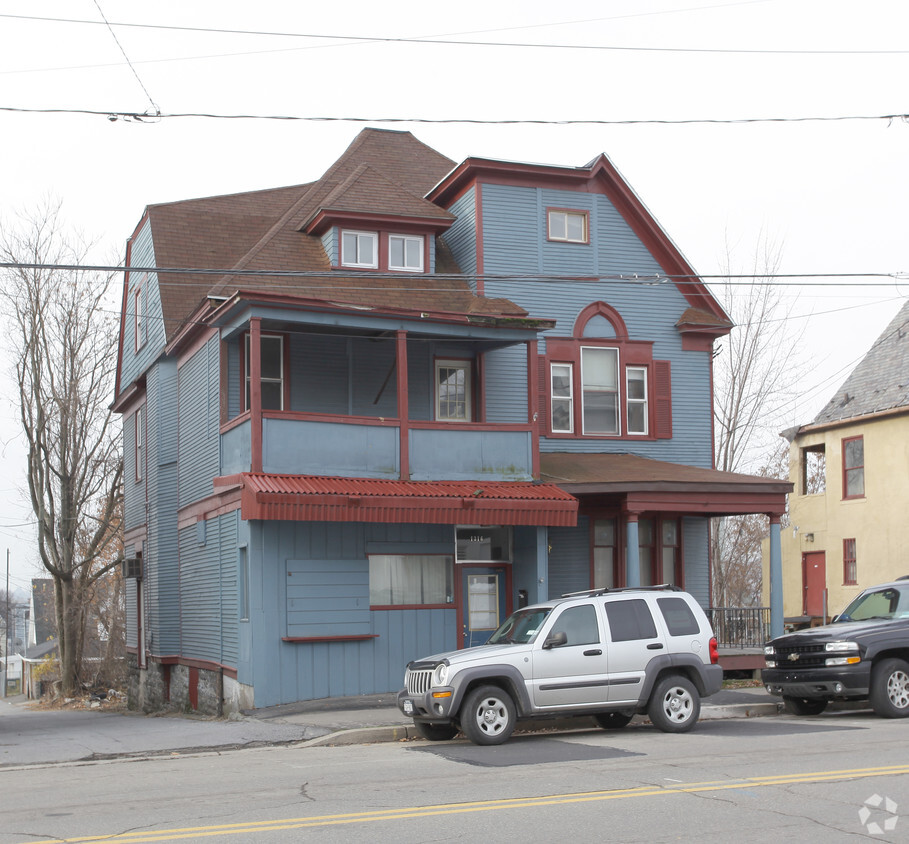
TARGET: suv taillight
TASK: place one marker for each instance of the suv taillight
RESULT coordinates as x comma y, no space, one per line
714,651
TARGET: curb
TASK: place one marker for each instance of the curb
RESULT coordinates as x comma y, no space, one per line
408,732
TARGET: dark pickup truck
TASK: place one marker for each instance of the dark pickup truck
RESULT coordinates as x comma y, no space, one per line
862,655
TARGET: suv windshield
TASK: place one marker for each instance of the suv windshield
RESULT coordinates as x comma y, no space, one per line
520,627
886,604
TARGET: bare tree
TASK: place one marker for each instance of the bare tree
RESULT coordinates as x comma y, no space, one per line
64,348
756,372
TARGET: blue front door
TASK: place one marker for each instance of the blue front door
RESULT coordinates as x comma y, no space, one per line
483,602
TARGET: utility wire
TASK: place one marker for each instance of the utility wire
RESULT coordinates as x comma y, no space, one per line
636,278
469,43
143,117
128,62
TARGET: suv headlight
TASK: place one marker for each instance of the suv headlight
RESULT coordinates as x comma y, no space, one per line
849,651
440,674
770,656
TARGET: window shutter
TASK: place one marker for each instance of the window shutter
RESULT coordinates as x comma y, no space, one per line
543,395
662,392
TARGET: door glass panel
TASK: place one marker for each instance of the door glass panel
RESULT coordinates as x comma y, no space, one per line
483,601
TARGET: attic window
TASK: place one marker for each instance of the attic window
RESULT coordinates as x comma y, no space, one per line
359,249
405,253
570,226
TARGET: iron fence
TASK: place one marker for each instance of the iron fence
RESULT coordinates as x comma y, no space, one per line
740,627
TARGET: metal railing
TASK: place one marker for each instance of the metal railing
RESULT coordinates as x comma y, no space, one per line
740,627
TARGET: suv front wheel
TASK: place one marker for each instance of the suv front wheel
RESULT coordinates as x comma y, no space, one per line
889,692
674,705
488,715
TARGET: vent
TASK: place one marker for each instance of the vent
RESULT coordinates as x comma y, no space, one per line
132,567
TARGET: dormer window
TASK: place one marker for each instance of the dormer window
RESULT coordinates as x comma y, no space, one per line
405,253
566,225
359,249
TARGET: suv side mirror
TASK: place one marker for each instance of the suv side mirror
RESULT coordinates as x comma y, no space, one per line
555,640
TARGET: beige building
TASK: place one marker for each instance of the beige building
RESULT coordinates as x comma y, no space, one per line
850,469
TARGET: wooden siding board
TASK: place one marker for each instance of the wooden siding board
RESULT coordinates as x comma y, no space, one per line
695,538
230,608
470,455
199,414
505,372
569,559
461,237
133,491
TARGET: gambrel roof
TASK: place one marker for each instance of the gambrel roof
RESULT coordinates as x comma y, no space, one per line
880,382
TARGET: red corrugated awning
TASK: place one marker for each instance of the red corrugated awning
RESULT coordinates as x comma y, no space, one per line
322,499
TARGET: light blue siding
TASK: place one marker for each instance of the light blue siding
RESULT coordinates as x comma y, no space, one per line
695,539
133,490
236,449
440,454
462,236
569,558
327,598
199,439
505,374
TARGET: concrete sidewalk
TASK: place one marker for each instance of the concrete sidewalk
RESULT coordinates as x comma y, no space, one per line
374,718
34,736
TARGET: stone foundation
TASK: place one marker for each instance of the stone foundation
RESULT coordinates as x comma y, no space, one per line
184,689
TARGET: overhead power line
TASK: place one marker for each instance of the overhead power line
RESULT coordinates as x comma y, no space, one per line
151,117
437,40
817,279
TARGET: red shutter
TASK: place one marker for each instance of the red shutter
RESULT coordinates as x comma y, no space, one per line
662,398
543,402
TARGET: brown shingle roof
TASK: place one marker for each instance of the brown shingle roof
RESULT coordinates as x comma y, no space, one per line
381,172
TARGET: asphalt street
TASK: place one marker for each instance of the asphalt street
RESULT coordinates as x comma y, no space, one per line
30,735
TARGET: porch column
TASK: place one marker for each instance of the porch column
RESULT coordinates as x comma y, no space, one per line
541,583
403,407
632,552
533,406
776,578
255,393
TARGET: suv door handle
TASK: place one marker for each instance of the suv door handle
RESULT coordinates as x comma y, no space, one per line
655,646
596,652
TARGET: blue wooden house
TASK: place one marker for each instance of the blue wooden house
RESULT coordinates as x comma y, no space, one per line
368,416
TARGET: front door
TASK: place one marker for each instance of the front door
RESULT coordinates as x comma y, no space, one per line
814,579
483,603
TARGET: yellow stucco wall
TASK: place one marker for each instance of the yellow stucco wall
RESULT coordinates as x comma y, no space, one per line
879,522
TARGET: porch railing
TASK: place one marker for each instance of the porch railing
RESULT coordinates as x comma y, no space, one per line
740,627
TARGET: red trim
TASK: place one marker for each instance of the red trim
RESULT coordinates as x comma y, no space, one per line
403,404
203,664
226,499
189,351
850,556
580,212
471,392
285,368
602,177
363,221
533,406
390,607
123,306
603,310
310,498
310,639
255,393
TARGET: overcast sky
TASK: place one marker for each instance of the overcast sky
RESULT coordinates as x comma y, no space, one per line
831,194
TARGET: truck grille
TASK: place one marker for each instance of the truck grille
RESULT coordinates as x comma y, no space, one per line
800,656
419,682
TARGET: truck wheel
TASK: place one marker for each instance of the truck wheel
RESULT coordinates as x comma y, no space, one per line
889,693
436,732
488,715
804,705
613,720
674,705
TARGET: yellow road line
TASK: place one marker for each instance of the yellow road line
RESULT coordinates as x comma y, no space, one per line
479,806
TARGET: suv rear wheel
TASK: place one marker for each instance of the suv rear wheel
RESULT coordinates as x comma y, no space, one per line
436,732
889,693
488,715
674,705
613,720
804,705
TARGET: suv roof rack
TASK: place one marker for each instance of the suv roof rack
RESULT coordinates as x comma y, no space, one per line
605,590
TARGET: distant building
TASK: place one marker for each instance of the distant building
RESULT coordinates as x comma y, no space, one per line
850,470
42,620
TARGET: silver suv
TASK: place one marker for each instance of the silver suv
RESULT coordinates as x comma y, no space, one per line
606,653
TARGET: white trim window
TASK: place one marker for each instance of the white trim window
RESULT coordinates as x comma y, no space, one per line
139,309
453,390
561,397
272,371
405,253
600,389
636,397
139,421
570,226
359,249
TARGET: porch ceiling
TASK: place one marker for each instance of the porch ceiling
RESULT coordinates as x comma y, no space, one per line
640,484
316,498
